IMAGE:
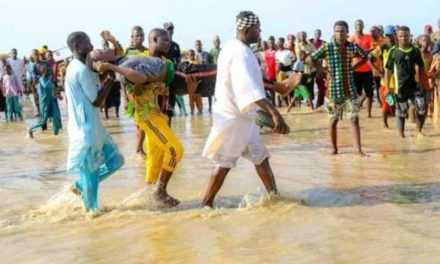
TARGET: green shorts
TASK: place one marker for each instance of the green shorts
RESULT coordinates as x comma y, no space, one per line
301,91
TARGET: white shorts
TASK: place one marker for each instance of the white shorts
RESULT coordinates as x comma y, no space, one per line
255,151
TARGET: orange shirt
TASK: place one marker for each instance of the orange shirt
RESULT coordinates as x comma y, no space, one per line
366,43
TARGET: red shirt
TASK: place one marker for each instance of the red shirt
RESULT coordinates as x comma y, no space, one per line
269,59
316,44
366,43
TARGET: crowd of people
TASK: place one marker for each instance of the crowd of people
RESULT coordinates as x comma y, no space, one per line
390,65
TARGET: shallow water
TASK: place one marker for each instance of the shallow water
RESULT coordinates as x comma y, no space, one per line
333,209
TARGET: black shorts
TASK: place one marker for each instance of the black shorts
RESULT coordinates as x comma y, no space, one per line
364,82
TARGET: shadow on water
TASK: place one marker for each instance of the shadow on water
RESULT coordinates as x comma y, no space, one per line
370,195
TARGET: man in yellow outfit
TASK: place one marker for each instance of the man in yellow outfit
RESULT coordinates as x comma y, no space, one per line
164,150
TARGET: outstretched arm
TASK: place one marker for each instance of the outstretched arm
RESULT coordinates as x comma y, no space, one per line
130,74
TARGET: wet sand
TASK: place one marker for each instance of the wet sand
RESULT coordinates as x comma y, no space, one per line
333,209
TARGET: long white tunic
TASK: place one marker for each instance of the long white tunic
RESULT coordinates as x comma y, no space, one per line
239,85
86,131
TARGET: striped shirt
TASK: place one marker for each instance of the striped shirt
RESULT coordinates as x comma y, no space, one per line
340,67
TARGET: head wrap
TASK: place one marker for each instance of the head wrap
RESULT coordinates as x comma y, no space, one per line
247,21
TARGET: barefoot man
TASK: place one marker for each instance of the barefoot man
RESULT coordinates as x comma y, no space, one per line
342,95
92,152
239,94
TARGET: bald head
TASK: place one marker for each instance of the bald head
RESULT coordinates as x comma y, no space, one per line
155,33
159,42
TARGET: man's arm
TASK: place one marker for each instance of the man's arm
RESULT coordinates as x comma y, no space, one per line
314,64
102,95
280,125
130,74
420,70
387,80
287,85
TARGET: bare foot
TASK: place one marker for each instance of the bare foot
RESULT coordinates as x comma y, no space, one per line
30,134
334,152
402,135
165,199
75,190
360,153
385,126
420,135
141,154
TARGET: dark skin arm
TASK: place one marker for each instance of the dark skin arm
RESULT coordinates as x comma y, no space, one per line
102,95
287,85
280,125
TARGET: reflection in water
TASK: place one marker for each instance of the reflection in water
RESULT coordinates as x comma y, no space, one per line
333,209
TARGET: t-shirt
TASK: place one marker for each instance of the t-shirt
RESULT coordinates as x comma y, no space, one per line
204,57
12,86
377,60
17,66
366,43
214,54
298,66
133,51
270,62
382,53
174,53
403,64
316,44
284,57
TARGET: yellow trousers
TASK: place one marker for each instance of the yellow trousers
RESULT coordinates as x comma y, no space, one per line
164,150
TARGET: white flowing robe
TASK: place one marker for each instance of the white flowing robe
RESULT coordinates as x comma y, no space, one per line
238,86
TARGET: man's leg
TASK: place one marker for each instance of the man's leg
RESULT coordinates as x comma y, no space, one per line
171,152
9,107
215,183
320,82
199,103
402,112
192,103
266,175
87,187
420,109
334,135
113,159
210,104
140,136
17,108
356,133
367,85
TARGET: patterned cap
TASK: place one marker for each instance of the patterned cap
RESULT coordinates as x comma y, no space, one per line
247,22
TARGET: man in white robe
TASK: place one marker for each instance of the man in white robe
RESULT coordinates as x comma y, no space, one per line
239,94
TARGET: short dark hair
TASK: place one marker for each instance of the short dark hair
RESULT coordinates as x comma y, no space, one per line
74,38
281,39
341,23
137,28
244,14
404,28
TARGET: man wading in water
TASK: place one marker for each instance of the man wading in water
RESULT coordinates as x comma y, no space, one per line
240,93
